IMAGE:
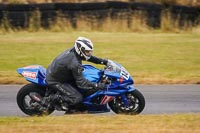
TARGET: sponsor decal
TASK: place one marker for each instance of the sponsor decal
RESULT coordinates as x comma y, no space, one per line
106,99
31,75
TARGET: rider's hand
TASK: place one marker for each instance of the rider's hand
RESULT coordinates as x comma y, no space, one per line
100,86
109,63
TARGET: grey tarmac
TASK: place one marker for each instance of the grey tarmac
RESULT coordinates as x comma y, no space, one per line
160,99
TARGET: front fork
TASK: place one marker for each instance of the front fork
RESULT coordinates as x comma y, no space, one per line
124,97
125,100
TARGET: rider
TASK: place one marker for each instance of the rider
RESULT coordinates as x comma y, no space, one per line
65,72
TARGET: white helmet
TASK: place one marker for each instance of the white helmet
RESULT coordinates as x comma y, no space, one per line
84,47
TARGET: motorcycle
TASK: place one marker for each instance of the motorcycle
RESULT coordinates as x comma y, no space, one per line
119,95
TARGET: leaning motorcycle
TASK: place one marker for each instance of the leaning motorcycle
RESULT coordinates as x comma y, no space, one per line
119,95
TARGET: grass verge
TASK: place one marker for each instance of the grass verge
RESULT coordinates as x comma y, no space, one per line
174,123
151,58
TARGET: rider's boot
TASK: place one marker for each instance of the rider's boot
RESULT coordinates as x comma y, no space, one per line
57,101
50,100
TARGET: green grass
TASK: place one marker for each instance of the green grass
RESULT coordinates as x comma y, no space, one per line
174,123
149,57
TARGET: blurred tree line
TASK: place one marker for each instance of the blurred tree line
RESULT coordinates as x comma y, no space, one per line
173,2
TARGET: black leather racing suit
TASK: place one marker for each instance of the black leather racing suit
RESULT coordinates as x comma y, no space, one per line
65,75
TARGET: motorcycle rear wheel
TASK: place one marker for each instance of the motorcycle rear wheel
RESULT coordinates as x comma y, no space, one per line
25,102
136,103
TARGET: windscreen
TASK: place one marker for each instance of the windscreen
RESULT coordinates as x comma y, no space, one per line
117,70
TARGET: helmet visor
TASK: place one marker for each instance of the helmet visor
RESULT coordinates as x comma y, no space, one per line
88,53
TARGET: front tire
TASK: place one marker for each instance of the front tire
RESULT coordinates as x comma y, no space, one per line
136,103
27,104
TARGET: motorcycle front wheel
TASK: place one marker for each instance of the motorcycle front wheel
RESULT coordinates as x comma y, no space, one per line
136,103
27,104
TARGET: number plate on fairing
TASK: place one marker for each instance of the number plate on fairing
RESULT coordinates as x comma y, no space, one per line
124,73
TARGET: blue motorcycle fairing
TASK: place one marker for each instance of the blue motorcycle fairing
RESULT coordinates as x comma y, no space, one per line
91,73
34,73
117,85
109,92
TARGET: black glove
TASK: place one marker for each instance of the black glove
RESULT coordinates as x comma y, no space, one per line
100,86
110,63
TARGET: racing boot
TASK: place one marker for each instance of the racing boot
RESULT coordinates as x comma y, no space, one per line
64,106
50,101
58,102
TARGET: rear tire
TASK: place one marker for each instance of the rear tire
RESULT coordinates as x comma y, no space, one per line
24,100
136,104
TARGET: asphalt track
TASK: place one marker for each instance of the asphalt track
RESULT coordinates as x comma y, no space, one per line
160,99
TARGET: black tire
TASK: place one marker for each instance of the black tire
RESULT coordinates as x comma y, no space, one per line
136,104
24,93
